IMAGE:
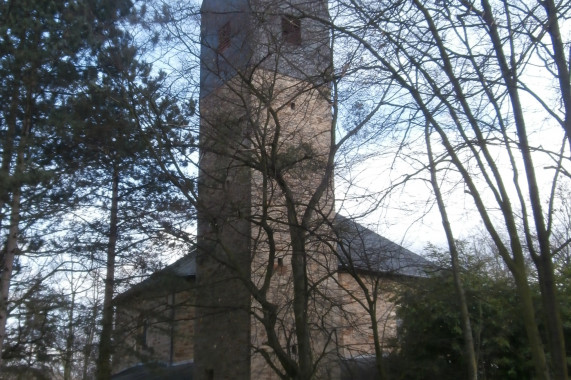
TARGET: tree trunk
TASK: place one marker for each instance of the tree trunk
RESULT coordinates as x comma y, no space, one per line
7,152
88,349
471,359
530,323
300,301
552,314
510,77
560,61
376,337
68,359
10,251
105,342
8,255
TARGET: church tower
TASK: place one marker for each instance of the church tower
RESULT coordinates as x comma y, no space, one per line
264,289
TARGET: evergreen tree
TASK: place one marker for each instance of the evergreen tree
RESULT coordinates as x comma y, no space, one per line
118,173
32,337
46,49
430,340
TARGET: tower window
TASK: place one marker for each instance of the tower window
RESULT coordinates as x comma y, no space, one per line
279,267
294,349
291,30
224,34
144,332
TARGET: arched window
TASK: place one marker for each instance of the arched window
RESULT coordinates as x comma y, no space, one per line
224,35
291,30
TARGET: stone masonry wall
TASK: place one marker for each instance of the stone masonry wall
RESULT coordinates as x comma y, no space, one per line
298,122
355,332
154,325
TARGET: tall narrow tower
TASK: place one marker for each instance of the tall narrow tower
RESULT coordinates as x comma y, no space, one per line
265,190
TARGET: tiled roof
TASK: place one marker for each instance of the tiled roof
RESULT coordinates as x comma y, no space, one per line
358,248
362,249
183,267
170,276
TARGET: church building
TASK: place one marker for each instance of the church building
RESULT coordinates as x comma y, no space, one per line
278,285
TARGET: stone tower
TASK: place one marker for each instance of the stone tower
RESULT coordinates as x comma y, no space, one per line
264,267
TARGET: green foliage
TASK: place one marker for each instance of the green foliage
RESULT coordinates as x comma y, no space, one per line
72,91
48,50
34,330
430,335
563,279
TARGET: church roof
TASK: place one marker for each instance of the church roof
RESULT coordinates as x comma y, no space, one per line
173,276
362,249
184,267
359,248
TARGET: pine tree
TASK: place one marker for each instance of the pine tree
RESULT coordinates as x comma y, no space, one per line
46,48
118,173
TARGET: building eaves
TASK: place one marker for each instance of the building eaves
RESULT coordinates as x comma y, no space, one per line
183,268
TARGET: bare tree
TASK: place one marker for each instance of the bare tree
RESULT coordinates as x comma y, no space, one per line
469,348
467,70
270,103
